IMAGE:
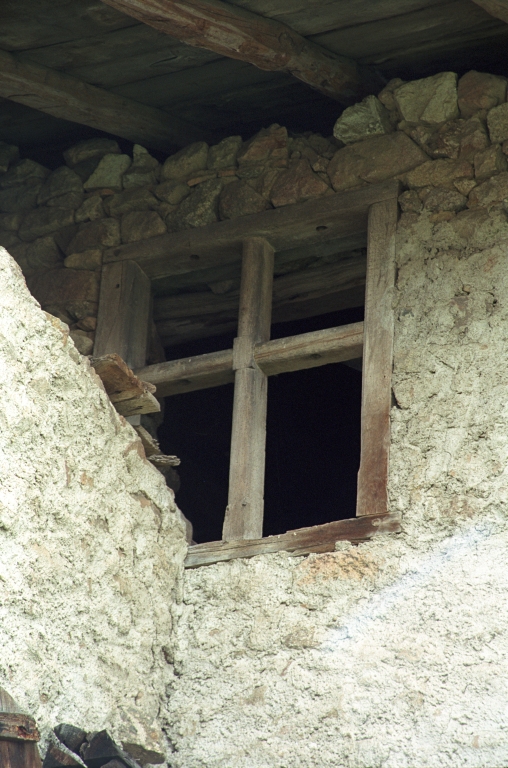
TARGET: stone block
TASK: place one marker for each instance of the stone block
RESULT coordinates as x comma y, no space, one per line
188,160
489,162
89,259
144,170
10,221
90,148
223,155
240,199
439,173
493,191
297,184
86,168
83,341
43,254
44,221
445,200
199,209
139,225
386,95
473,138
497,121
430,100
172,192
95,234
108,173
362,121
74,290
480,91
90,210
409,201
9,239
8,155
130,200
269,147
22,172
373,161
20,198
63,181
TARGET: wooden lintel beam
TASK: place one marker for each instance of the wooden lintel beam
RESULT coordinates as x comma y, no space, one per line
266,43
294,353
318,538
71,99
497,8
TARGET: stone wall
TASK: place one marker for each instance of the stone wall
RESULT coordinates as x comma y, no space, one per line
91,542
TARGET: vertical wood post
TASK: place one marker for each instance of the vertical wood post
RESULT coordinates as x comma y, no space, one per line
18,736
372,496
124,313
244,513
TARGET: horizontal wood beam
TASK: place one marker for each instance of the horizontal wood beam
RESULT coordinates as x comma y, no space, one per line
266,43
329,218
497,8
71,99
318,538
293,353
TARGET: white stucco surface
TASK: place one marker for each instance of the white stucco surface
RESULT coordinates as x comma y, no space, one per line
90,537
393,653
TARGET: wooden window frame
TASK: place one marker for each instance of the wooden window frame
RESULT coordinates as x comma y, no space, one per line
123,322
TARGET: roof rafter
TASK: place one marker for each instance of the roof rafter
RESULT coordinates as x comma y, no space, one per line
497,8
268,44
71,99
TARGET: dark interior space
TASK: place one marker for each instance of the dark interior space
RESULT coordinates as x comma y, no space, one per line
313,440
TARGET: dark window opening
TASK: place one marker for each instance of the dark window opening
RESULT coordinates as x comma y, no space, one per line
313,440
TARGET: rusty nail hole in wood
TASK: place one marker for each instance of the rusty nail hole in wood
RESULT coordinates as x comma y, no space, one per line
194,256
321,228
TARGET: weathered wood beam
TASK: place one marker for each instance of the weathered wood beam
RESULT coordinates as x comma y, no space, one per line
129,395
293,353
267,44
71,99
303,541
497,8
329,218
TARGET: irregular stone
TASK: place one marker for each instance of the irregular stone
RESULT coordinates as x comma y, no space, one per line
240,199
223,155
497,121
43,254
139,225
200,177
89,259
493,191
69,735
375,160
10,221
87,324
84,344
172,192
23,171
297,184
473,138
439,173
445,200
269,147
361,121
101,749
94,234
443,142
143,756
464,186
57,754
20,198
199,209
430,100
64,236
409,201
43,221
8,155
480,90
263,184
109,173
75,291
9,239
322,146
386,95
86,168
144,170
90,148
91,210
63,181
70,200
130,200
188,160
489,162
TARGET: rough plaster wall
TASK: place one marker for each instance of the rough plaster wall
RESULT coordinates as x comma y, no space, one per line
90,538
393,653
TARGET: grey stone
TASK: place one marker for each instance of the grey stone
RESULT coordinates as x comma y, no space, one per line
63,181
445,200
89,259
144,170
22,172
84,344
297,184
492,191
497,121
268,148
90,210
86,168
223,155
8,239
430,100
199,209
188,160
479,91
43,254
361,121
20,198
94,234
131,200
439,173
76,291
489,162
44,221
10,221
139,225
108,173
240,199
88,149
8,155
172,192
410,201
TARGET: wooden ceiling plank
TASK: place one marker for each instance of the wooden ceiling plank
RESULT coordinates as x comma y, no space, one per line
267,44
497,8
67,97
